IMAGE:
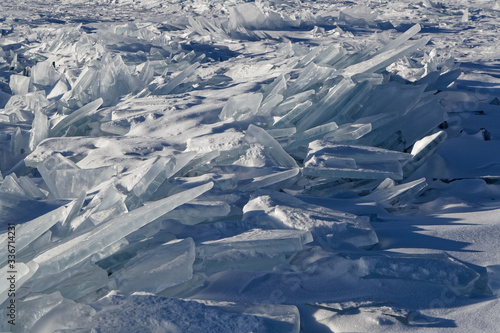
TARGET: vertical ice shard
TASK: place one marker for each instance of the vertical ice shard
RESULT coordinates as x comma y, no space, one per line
158,268
75,116
39,129
281,158
72,251
241,106
326,108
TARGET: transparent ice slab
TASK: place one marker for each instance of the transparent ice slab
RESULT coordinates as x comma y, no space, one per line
72,251
39,129
258,240
32,308
19,84
255,134
74,117
199,211
241,106
44,74
156,269
31,230
248,185
398,194
422,150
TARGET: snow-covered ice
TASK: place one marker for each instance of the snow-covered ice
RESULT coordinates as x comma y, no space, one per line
249,166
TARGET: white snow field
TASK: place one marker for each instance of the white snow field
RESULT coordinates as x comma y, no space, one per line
239,166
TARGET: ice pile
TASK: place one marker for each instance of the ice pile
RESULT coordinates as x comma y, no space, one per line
164,175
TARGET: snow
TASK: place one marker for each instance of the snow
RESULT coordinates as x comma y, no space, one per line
250,166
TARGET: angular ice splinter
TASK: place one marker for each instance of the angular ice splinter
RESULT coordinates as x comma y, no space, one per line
329,227
422,150
19,84
74,250
29,231
281,158
172,84
398,194
158,268
241,106
75,116
258,240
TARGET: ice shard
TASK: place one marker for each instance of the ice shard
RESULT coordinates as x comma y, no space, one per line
19,84
74,117
258,240
281,158
176,81
23,272
39,129
422,150
241,106
398,194
199,211
330,160
156,269
83,282
72,251
382,60
44,74
31,230
149,183
329,227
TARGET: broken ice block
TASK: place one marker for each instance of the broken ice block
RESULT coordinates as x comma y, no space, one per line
149,183
74,250
81,283
328,227
440,269
75,116
258,240
281,158
240,260
19,84
330,160
241,106
158,268
70,182
398,194
44,74
422,150
199,211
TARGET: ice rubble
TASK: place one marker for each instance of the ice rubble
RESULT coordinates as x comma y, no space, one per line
329,121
